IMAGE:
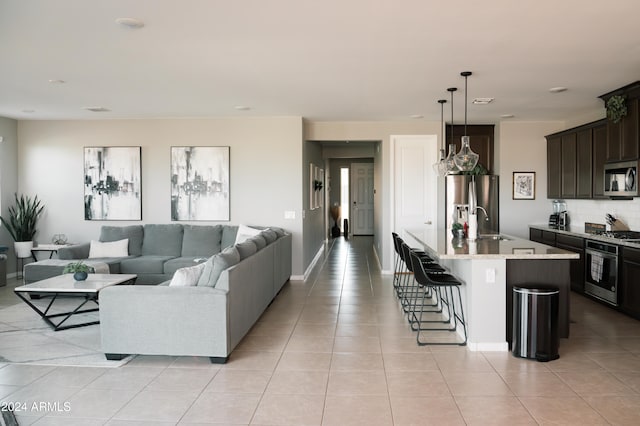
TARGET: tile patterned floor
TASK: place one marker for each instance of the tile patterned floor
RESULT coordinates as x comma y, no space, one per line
336,350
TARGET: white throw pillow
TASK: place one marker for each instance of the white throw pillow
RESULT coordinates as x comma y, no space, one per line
245,232
118,248
187,277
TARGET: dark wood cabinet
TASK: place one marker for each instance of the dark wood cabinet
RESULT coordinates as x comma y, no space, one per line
629,141
576,245
629,285
554,167
481,139
584,163
599,139
622,137
535,235
568,165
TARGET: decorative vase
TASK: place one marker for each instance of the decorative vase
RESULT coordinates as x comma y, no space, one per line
80,276
23,248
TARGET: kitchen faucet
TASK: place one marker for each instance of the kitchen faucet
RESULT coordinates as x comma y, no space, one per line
485,212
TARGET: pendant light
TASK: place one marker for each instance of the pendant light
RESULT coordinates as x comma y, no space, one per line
466,159
449,161
441,167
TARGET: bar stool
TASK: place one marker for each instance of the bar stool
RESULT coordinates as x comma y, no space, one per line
446,283
410,291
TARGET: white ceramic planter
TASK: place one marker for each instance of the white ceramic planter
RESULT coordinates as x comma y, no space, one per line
23,248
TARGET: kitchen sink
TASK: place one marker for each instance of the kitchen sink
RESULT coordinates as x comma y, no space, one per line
496,237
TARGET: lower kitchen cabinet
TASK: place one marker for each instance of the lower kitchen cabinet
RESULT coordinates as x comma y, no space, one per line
629,285
576,245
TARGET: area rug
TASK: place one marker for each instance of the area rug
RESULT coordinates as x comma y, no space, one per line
26,339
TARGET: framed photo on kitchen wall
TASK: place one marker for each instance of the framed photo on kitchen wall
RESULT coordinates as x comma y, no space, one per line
524,185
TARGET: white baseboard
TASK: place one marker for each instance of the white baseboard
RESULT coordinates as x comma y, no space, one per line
307,272
488,347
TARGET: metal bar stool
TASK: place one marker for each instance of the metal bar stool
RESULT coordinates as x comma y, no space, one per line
411,291
446,283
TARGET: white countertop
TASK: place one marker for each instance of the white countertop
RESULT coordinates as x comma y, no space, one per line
442,245
578,231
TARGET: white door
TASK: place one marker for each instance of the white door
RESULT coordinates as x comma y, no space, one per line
415,186
362,198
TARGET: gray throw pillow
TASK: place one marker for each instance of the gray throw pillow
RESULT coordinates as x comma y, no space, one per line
269,235
259,241
216,264
279,231
246,249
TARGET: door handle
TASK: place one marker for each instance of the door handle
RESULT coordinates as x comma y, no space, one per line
428,222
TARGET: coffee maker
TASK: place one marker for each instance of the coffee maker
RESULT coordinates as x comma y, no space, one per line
559,218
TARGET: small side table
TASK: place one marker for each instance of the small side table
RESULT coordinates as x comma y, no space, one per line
50,248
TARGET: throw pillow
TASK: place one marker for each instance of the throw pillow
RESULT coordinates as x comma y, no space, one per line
216,264
187,277
259,241
246,249
269,235
110,249
245,232
279,231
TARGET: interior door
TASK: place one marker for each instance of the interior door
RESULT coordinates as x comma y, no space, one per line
362,198
415,203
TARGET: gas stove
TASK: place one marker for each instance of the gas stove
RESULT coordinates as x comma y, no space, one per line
621,235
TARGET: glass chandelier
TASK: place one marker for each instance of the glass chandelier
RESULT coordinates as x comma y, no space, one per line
440,167
449,161
466,159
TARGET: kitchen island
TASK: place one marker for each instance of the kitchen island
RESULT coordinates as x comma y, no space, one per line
489,268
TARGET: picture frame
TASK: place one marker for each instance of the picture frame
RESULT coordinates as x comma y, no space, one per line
524,186
200,183
112,183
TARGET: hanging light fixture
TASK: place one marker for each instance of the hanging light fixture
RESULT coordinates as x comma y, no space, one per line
466,159
449,161
440,167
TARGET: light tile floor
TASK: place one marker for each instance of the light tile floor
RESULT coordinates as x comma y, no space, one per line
336,350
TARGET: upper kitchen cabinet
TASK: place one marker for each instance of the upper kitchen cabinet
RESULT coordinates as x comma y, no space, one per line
480,139
599,158
568,165
622,137
554,166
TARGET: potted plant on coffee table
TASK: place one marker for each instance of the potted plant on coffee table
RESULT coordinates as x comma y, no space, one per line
21,223
79,270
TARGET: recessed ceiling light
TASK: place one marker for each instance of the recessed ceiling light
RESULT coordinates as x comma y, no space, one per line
132,23
483,101
558,89
416,116
242,108
97,109
52,81
507,116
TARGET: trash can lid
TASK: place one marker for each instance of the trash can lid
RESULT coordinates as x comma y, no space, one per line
539,289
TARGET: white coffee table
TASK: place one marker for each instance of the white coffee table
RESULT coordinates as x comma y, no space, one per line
65,285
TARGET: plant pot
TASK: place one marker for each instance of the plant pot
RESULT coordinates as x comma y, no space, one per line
23,248
80,276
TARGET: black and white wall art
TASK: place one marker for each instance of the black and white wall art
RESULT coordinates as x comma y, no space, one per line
112,189
200,183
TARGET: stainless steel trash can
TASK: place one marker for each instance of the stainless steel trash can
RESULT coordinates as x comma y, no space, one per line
535,322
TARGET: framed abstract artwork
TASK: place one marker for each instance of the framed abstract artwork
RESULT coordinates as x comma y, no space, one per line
200,183
112,183
524,185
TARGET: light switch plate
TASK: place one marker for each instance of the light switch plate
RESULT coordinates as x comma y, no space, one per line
491,275
290,214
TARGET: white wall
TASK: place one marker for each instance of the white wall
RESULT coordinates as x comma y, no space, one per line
314,231
265,169
8,179
522,147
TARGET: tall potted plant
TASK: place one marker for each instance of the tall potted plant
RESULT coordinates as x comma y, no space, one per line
23,218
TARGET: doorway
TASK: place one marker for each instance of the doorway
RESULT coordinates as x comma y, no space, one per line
362,198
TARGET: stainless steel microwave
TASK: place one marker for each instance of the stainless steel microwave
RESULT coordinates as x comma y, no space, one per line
621,179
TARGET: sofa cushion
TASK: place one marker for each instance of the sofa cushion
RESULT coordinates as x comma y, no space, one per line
134,233
171,266
216,264
246,249
162,240
245,232
204,241
151,264
187,277
279,231
118,248
229,233
269,235
259,241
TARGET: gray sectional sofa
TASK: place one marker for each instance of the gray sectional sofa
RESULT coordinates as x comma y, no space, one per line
209,319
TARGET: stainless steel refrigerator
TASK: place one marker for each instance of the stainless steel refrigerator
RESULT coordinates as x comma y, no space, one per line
487,194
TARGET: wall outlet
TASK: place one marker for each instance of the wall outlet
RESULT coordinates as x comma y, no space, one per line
290,214
491,275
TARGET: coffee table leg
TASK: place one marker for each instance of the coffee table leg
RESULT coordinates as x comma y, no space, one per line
66,315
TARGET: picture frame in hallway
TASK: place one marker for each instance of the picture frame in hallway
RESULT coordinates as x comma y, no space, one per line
524,185
200,183
112,183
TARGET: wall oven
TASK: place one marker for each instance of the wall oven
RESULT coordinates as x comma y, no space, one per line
601,271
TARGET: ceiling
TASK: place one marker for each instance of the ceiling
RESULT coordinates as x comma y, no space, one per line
322,60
